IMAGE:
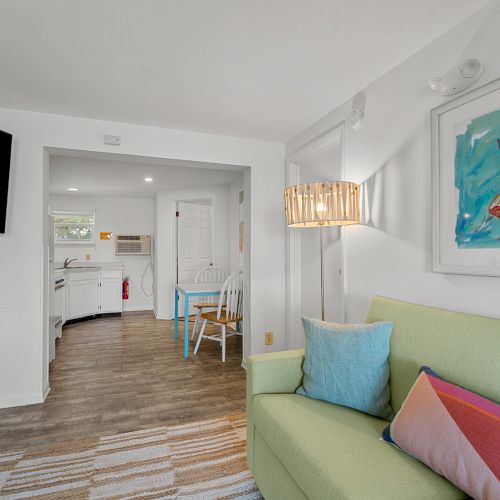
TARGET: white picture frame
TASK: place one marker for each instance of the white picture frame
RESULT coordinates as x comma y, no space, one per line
446,119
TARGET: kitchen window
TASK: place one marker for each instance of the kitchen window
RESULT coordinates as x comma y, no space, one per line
73,226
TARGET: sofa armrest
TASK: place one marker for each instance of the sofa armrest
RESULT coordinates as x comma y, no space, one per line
274,372
270,373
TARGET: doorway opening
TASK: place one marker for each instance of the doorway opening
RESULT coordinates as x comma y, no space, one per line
133,197
320,160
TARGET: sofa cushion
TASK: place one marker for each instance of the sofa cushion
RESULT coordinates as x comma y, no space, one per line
460,347
452,430
346,364
335,452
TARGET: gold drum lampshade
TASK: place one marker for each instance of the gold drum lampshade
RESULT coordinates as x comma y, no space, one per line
328,203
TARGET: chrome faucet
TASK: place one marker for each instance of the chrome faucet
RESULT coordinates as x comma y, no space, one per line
68,262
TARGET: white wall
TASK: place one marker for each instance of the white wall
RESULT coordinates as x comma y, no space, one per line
118,216
23,249
391,253
165,230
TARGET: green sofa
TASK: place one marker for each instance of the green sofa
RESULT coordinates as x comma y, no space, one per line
303,448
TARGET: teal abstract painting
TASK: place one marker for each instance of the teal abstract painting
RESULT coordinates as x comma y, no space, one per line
477,178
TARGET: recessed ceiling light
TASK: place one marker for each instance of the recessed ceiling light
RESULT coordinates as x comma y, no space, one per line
72,189
148,179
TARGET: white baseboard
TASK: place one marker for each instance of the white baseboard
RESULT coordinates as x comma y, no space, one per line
244,363
160,316
139,308
21,400
45,393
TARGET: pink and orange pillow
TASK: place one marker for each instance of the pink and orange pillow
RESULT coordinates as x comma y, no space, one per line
453,431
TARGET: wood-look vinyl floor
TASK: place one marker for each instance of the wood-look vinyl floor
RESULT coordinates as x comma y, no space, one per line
120,374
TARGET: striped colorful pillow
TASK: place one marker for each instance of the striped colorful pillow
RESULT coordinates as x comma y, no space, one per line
453,431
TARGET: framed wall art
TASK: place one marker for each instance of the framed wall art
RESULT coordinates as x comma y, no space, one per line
466,183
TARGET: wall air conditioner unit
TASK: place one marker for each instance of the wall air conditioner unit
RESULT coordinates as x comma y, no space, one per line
132,244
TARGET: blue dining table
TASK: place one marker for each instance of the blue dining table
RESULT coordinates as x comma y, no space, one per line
191,290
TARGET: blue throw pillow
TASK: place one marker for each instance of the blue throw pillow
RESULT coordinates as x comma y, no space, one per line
348,365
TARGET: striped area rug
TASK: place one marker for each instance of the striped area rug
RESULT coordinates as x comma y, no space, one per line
201,460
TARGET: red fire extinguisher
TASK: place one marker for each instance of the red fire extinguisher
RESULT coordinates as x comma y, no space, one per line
125,289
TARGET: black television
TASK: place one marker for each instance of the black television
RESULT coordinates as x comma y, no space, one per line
5,149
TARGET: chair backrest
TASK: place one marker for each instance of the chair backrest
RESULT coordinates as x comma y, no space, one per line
462,348
210,274
232,295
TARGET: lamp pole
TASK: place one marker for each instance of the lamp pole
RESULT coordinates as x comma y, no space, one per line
322,273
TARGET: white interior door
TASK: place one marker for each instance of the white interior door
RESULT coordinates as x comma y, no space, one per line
194,241
319,160
303,247
325,166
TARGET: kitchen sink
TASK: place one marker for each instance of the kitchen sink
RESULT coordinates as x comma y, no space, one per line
72,267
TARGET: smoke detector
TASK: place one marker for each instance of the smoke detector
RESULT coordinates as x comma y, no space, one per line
357,116
458,79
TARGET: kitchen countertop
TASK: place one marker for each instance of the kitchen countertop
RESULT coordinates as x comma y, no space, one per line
86,266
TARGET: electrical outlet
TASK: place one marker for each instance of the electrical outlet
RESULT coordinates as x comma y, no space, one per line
268,336
112,140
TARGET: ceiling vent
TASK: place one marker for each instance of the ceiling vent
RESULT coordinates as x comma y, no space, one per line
132,244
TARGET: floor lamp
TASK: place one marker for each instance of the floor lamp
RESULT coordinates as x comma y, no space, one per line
321,204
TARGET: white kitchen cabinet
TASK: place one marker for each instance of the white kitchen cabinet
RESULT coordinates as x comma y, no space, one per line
65,301
94,292
83,299
110,293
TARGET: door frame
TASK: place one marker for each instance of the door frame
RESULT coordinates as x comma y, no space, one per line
175,237
327,141
71,149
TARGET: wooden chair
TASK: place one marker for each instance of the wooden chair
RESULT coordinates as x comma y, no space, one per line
232,295
209,274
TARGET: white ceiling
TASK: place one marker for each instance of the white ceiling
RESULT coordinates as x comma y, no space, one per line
112,176
253,68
